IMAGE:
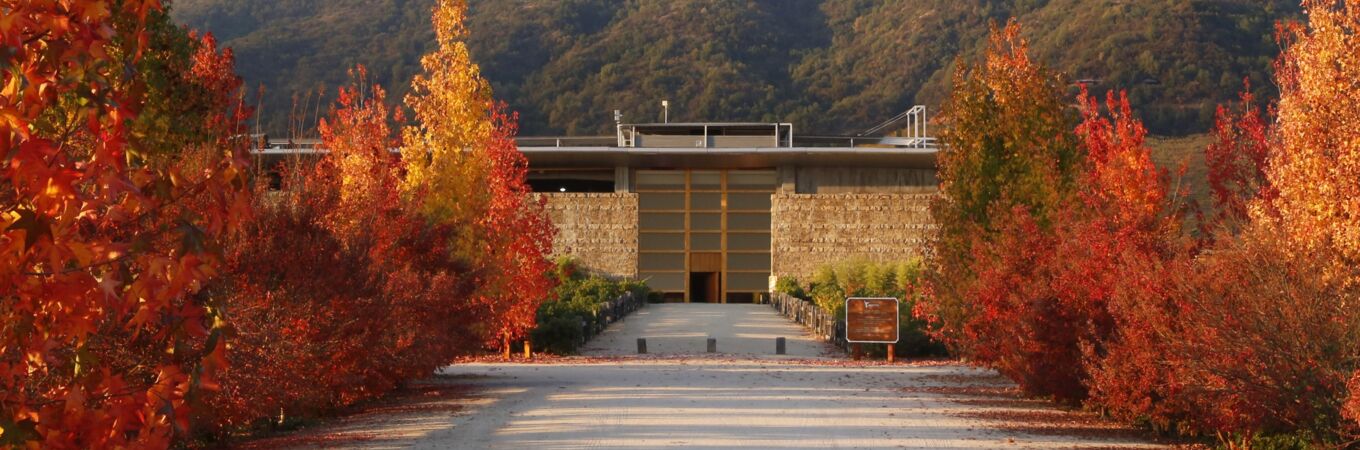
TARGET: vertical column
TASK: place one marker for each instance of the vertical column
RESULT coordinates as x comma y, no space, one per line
689,183
788,180
623,181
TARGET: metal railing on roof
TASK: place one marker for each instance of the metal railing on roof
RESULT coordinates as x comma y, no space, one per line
566,141
798,141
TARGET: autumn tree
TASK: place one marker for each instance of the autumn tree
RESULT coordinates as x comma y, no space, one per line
1237,160
1257,336
372,268
462,157
1038,218
1118,252
1269,334
110,222
1316,168
306,287
1011,154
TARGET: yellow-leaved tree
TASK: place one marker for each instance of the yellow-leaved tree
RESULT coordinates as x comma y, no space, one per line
1316,165
465,170
451,101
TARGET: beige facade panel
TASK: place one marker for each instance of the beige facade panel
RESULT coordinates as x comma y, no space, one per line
599,229
865,180
811,230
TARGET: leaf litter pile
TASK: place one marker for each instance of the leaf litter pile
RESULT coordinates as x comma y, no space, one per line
1001,405
441,394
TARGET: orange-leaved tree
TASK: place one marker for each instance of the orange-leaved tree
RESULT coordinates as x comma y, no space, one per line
1010,169
1010,147
1316,167
462,157
1270,333
1116,254
340,277
109,223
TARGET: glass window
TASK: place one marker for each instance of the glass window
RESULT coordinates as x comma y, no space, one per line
664,281
705,180
661,241
757,221
661,221
661,180
759,202
711,201
709,222
661,261
748,241
705,241
655,201
752,179
748,281
748,261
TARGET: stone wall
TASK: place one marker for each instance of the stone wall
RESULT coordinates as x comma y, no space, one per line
599,229
811,230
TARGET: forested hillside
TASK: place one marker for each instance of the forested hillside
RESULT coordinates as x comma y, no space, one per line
828,66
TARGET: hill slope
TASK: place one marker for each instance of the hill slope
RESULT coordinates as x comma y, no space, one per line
828,66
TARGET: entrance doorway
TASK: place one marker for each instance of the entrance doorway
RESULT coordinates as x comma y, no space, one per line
704,287
698,221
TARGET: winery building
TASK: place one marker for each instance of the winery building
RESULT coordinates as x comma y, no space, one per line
713,212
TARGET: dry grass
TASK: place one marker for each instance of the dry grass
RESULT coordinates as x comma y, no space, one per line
1173,153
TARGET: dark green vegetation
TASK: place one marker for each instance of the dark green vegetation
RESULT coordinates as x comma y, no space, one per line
828,66
582,305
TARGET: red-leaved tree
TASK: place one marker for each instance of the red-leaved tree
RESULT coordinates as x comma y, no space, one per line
519,235
342,279
1009,169
109,225
1117,254
1236,162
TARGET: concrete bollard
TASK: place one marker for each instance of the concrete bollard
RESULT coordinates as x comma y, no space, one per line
642,346
779,346
712,345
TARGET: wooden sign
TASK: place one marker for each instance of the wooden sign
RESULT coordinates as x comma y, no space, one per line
871,320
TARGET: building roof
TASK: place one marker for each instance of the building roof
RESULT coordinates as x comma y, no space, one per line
730,158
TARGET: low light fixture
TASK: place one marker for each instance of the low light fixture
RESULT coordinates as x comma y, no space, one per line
563,189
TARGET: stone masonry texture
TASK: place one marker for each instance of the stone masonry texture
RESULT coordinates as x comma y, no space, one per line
599,229
812,230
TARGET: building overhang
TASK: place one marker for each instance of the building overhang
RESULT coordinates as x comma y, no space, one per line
728,158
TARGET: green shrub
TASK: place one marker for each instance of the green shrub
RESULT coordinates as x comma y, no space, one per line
559,335
833,283
789,286
577,310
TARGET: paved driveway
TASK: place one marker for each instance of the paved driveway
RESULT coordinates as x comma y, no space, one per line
683,328
712,404
715,402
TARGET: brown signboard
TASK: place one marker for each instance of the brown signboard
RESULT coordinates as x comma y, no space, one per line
871,320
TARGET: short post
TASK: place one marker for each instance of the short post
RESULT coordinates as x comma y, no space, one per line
779,346
855,351
712,345
642,346
528,352
506,346
890,352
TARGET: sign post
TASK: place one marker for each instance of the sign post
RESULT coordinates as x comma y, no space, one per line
872,321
